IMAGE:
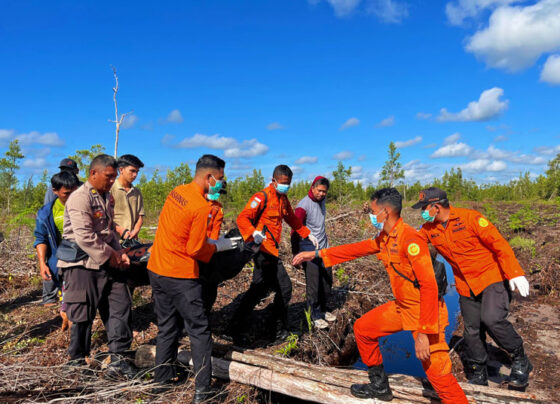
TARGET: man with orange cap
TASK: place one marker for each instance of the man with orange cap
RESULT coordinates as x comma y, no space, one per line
416,307
269,208
483,263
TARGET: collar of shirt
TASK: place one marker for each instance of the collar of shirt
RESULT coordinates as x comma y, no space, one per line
121,186
196,186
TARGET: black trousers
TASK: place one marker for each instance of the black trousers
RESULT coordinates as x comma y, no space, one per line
488,312
269,275
318,286
178,304
90,290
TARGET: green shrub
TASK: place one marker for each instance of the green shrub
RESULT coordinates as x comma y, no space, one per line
525,244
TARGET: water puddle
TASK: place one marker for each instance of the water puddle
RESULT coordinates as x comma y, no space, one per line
398,349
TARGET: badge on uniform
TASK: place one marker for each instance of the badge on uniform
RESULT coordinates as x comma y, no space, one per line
98,214
255,203
413,249
93,191
483,222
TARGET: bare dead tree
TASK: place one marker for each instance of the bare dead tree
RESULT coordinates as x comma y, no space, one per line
118,120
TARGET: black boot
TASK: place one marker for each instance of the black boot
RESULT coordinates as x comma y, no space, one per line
281,332
520,369
378,388
201,394
120,366
477,373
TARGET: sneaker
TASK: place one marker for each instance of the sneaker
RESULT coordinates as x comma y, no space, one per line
330,317
320,324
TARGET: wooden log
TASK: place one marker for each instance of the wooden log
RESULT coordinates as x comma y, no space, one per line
327,384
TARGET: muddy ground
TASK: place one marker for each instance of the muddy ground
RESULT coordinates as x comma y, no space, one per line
33,348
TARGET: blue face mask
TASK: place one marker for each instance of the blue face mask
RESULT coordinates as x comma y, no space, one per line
282,188
213,197
426,216
375,223
215,189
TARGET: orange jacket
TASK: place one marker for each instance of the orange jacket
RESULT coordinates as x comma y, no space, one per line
277,208
216,218
475,249
181,234
408,252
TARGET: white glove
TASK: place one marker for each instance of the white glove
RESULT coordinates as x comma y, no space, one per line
522,285
259,237
225,244
314,240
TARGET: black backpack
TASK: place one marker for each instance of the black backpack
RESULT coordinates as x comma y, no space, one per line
440,273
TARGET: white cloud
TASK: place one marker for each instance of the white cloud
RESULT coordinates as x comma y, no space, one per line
129,121
36,163
452,150
342,7
458,11
362,157
388,11
34,138
487,107
499,154
306,160
231,147
174,117
246,149
516,36
349,123
408,143
210,141
415,170
482,165
454,138
547,150
551,71
343,155
296,169
274,126
423,115
500,138
357,172
389,121
6,135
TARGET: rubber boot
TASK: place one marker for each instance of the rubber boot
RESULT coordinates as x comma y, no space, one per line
202,394
477,373
378,388
520,369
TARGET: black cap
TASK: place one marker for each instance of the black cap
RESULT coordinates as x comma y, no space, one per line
429,196
68,164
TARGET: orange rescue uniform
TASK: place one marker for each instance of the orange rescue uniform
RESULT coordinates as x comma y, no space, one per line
181,236
216,218
416,310
475,249
277,208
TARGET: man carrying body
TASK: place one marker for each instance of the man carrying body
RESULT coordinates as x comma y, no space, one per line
268,208
66,165
129,204
416,306
181,241
91,257
482,262
311,210
48,235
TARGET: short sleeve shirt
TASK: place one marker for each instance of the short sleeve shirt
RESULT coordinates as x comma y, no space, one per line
129,205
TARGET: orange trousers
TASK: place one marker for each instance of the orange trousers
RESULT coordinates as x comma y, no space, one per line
386,320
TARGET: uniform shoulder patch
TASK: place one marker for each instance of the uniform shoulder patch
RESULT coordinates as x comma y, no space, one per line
413,249
482,222
254,204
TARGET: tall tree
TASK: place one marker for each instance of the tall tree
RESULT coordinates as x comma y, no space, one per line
83,158
118,120
9,164
341,186
392,169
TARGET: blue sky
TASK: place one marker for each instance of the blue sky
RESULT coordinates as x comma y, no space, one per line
462,83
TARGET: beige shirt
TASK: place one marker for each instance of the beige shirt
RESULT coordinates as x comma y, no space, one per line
88,221
129,206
